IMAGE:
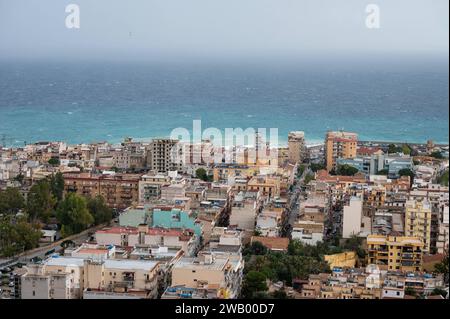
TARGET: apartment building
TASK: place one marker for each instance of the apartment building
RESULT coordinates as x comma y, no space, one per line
308,232
161,155
339,145
296,146
150,187
267,185
418,221
74,278
368,283
352,217
143,235
57,278
395,253
118,190
207,275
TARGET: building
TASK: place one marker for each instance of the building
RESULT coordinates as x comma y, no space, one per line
272,243
118,190
296,146
206,276
395,253
150,187
308,232
75,278
56,278
161,156
339,145
418,221
145,236
352,217
176,219
343,260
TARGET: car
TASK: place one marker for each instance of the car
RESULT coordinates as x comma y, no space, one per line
11,284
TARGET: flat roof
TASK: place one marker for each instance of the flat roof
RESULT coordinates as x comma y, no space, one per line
64,261
191,263
127,264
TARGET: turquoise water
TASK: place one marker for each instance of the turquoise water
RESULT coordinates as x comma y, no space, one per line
108,101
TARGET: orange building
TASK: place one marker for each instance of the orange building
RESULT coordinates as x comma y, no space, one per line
339,145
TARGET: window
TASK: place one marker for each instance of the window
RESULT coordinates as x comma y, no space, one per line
34,293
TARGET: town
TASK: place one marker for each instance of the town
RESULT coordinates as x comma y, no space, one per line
342,219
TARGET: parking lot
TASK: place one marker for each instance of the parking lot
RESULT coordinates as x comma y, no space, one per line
7,281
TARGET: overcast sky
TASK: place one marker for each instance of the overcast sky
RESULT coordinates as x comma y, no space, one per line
221,28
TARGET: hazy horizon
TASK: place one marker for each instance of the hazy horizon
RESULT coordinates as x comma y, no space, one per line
215,30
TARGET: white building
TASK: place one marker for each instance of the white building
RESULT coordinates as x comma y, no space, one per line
352,217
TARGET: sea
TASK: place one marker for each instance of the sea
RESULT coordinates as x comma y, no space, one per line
89,101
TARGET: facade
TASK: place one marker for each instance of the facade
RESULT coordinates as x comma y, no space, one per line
143,235
418,221
352,218
150,187
69,277
339,145
118,190
208,275
395,253
160,156
296,146
308,232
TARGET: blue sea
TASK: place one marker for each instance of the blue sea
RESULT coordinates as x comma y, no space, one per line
96,101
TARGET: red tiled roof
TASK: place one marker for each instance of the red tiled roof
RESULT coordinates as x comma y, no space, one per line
134,230
368,150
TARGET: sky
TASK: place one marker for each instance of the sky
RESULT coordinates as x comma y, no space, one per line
145,29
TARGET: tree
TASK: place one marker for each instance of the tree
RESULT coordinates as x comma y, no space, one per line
254,282
439,291
346,170
73,214
410,292
437,155
200,173
308,178
443,179
383,172
301,169
279,294
99,210
317,167
16,236
442,267
40,201
355,243
57,186
11,201
392,148
256,248
53,161
406,149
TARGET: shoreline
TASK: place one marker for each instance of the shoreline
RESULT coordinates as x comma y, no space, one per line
281,144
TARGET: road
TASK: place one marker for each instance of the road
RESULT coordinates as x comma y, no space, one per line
296,196
40,251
